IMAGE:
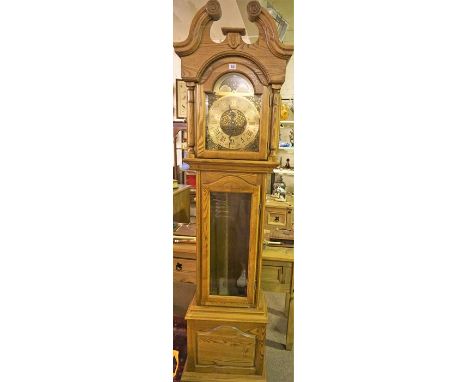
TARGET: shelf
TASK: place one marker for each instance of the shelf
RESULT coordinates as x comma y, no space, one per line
287,122
287,148
283,171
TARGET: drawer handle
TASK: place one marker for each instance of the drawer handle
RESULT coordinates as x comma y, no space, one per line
276,218
178,267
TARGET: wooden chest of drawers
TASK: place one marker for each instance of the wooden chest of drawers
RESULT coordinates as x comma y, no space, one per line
278,276
279,220
277,269
184,262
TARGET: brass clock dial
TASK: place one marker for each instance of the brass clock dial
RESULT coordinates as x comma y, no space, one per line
233,122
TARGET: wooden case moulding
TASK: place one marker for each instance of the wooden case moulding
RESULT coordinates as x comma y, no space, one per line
198,51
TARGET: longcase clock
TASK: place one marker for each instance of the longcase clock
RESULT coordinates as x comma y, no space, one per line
233,113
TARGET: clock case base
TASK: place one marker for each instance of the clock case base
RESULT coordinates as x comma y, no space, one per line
226,344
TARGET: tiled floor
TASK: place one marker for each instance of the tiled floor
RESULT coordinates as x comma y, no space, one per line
279,361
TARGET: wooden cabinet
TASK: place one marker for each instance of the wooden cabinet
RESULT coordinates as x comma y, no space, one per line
278,276
184,268
184,262
181,204
276,218
279,219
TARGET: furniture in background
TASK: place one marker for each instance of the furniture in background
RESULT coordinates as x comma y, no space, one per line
279,219
278,276
181,204
184,253
185,265
179,130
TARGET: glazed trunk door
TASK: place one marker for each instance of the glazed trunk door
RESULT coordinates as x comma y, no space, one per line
231,217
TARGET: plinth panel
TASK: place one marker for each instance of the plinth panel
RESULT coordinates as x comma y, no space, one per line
226,346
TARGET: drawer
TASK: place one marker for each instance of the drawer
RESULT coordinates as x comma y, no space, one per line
184,270
281,234
276,217
290,218
276,276
185,250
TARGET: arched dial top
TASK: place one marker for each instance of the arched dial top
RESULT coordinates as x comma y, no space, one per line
234,83
233,114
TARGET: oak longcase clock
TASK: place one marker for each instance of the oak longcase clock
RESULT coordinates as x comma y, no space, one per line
233,110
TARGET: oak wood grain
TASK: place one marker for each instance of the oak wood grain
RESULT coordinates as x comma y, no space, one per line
226,346
226,334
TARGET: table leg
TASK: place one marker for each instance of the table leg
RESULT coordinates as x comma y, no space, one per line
286,304
290,330
290,310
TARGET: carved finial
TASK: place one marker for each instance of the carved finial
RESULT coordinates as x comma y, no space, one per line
254,9
213,9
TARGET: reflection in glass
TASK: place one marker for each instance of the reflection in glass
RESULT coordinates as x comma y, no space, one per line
229,243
